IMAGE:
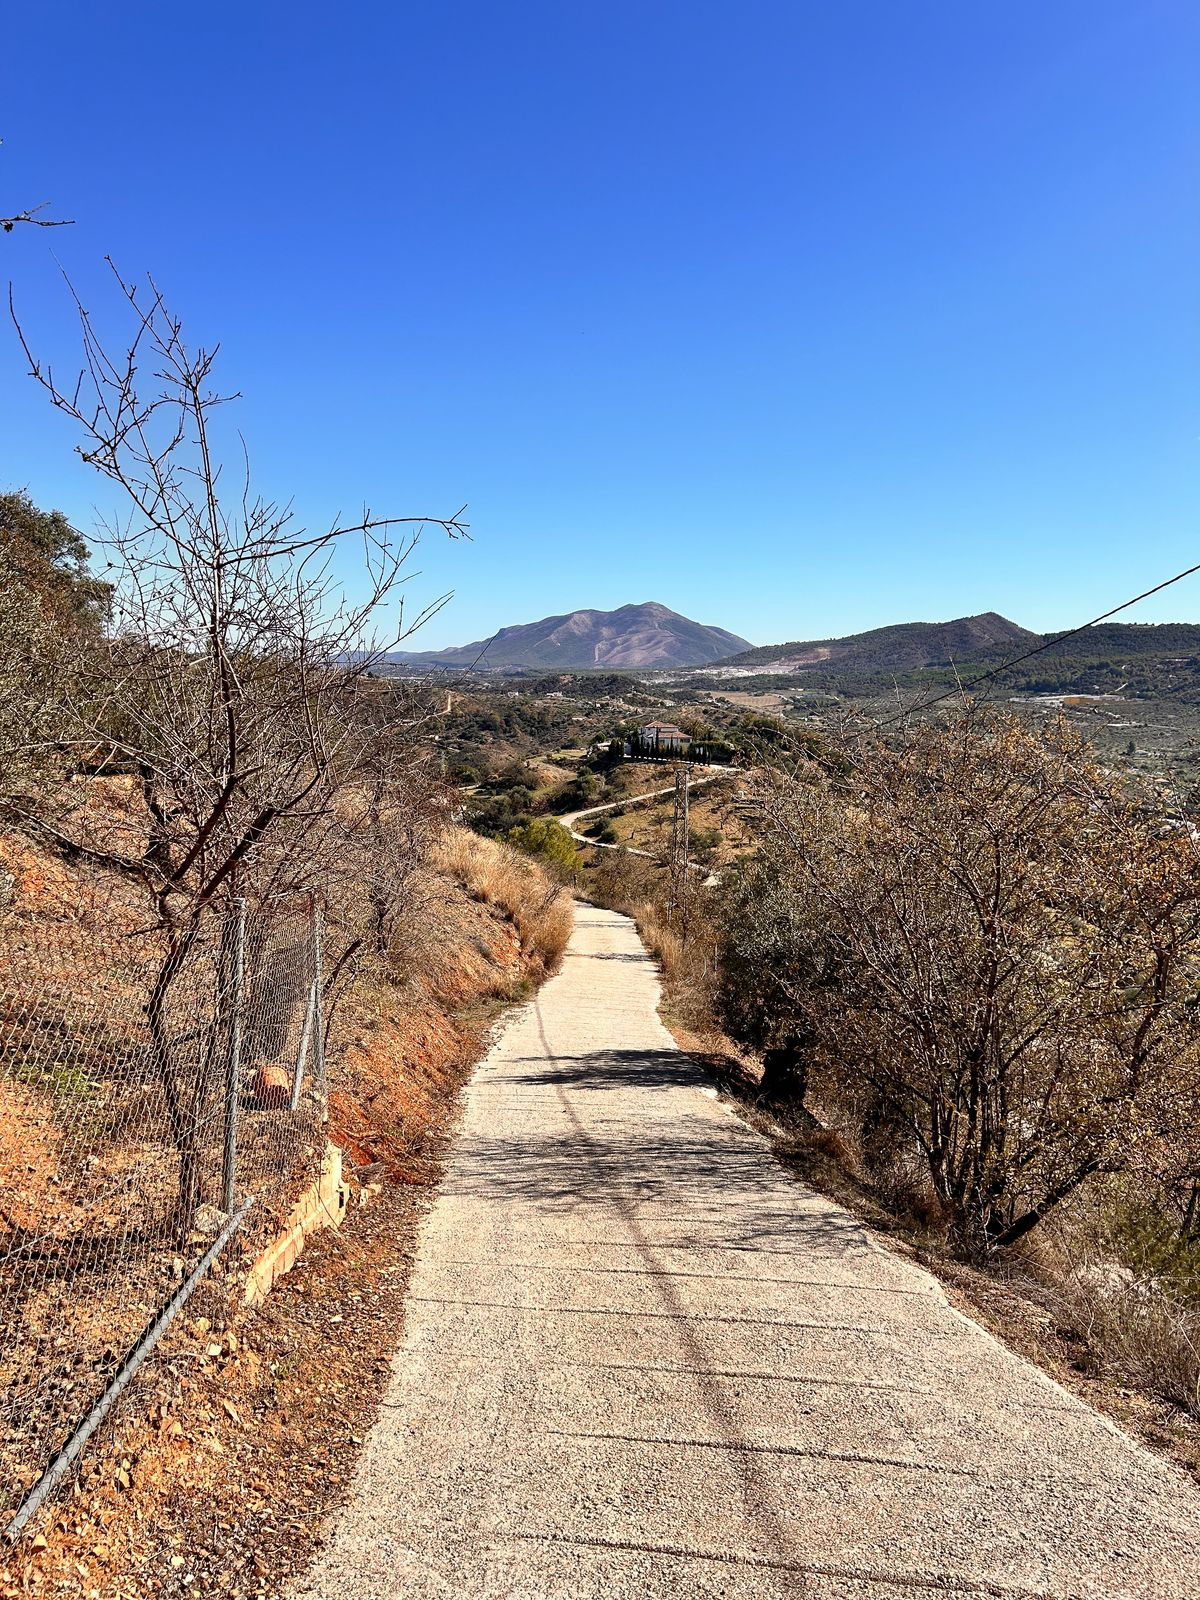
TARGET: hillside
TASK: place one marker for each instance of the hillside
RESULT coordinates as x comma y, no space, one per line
634,636
265,1401
902,647
1140,658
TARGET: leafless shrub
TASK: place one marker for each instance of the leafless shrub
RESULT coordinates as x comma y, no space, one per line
623,881
234,682
990,950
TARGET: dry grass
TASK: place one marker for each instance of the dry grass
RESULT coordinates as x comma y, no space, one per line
496,874
1135,1321
1136,1334
687,960
662,940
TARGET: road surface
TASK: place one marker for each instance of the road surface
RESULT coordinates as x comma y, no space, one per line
641,1361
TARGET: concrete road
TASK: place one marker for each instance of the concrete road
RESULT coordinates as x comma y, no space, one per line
642,1362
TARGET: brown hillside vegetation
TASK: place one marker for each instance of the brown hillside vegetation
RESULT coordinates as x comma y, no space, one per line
224,940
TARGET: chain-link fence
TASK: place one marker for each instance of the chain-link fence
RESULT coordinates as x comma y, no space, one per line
161,1092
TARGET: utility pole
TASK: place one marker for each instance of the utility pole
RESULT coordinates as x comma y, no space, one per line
680,836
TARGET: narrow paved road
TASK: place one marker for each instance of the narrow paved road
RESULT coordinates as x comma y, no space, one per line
641,1361
572,819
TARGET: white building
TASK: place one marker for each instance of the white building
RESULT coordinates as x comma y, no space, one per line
663,736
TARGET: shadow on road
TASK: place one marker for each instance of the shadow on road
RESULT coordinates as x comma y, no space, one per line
607,1071
614,955
690,1169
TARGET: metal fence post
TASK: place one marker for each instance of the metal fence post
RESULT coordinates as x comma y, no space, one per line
233,1067
310,1008
318,1003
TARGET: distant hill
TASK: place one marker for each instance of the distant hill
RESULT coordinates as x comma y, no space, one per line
902,647
1134,658
634,636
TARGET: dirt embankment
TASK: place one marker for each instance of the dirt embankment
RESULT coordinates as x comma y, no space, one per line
216,1471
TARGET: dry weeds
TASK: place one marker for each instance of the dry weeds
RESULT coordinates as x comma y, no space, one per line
515,884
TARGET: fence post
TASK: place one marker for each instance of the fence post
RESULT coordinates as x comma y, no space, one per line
318,1003
233,1065
310,1007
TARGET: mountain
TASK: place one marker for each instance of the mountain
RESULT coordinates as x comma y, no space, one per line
639,636
1154,659
903,647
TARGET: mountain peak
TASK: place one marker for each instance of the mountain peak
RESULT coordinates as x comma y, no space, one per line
900,647
634,636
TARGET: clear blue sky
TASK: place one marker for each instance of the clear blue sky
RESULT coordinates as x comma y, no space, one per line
801,318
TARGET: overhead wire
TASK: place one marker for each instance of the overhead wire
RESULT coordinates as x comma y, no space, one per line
1048,643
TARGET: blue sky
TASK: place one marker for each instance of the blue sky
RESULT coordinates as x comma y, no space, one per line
801,318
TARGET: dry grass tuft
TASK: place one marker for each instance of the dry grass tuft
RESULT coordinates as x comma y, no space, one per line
834,1146
540,909
687,959
1135,1327
1141,1336
662,941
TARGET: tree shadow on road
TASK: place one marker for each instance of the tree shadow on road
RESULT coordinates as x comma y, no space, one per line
654,1173
599,1149
606,1071
612,955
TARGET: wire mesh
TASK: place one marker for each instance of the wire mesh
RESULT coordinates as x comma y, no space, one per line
151,1081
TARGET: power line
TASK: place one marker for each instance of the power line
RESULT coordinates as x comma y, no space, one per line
680,834
1046,644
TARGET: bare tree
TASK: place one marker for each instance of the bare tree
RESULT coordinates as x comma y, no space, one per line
31,217
989,950
234,683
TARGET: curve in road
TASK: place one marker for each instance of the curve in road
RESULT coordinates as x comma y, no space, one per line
641,1361
571,819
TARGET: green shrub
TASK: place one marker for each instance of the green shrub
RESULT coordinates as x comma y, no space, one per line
549,841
